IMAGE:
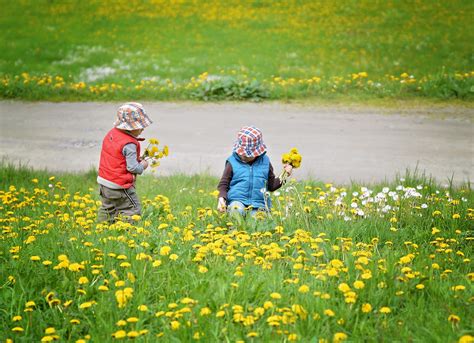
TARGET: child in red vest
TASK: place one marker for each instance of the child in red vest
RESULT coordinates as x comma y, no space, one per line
120,163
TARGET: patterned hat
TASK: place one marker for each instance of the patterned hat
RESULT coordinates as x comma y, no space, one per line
250,142
132,116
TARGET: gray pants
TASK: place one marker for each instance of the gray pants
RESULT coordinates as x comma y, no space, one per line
118,202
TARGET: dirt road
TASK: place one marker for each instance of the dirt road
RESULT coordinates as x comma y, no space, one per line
338,144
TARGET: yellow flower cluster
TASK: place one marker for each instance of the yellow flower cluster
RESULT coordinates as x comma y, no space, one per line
292,158
153,153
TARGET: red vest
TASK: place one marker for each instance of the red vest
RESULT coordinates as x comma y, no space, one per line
113,166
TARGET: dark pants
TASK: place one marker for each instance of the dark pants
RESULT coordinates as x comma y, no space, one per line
118,202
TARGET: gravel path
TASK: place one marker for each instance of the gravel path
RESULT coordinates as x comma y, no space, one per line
338,144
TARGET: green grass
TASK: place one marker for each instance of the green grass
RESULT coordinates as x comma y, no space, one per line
153,50
310,244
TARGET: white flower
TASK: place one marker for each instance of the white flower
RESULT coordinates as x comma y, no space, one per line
380,197
419,187
354,205
355,194
277,193
424,206
385,190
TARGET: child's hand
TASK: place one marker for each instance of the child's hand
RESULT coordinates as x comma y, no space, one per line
144,163
221,205
288,168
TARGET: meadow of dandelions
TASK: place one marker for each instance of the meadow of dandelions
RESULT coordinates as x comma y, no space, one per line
329,263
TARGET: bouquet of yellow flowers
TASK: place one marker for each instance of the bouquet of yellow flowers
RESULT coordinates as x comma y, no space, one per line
153,153
292,158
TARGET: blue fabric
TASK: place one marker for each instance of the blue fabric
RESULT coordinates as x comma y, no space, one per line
236,207
249,181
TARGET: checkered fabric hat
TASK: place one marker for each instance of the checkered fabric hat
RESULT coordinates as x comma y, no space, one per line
249,142
132,116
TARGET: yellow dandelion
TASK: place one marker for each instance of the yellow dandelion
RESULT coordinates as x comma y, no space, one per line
339,337
303,289
329,313
454,318
175,325
119,334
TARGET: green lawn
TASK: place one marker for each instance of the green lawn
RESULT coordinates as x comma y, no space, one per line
292,49
386,262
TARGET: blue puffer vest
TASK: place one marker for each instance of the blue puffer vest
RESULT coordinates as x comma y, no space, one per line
249,181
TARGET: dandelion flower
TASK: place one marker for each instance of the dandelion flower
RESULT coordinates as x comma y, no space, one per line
175,325
454,318
85,305
119,334
339,337
466,339
366,308
165,250
205,311
344,287
329,313
83,280
143,308
133,334
303,289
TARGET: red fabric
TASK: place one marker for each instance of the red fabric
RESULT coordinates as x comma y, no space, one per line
113,166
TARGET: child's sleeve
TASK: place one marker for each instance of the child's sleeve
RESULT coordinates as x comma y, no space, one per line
273,182
224,183
130,153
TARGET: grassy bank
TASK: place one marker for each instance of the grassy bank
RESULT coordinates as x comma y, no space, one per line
212,50
383,262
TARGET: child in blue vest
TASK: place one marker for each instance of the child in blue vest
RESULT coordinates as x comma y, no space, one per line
248,175
120,164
